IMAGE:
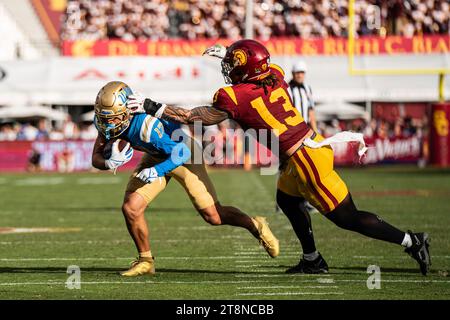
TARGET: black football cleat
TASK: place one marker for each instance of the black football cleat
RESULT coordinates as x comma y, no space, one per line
319,265
420,250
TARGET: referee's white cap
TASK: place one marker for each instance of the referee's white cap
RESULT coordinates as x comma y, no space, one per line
299,66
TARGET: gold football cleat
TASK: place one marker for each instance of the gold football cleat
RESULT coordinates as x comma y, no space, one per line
266,237
139,267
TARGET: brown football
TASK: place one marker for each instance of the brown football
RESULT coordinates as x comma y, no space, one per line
108,147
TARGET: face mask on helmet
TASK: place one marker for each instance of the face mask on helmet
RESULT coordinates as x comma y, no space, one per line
112,126
112,117
226,69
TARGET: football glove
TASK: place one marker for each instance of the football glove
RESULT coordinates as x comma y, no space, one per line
135,103
119,158
154,108
148,175
216,50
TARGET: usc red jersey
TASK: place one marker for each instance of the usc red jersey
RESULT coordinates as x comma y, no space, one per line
251,107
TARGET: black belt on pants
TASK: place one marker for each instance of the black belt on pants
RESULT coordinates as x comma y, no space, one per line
311,137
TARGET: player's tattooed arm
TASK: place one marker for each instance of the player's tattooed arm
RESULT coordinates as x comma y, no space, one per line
98,161
207,115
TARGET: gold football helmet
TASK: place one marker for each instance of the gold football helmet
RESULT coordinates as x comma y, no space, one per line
112,117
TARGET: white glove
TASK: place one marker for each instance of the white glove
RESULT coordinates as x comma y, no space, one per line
148,175
119,158
135,103
216,50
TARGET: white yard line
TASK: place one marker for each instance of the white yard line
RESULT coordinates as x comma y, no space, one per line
103,242
123,258
252,255
121,282
220,282
63,259
325,280
253,266
43,181
396,280
288,293
282,256
105,180
288,287
282,275
254,250
39,181
395,257
262,259
116,258
246,253
335,280
54,283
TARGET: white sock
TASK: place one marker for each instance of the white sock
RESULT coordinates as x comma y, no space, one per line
311,256
407,241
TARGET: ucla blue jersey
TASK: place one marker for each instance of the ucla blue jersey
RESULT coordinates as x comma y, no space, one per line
170,126
152,135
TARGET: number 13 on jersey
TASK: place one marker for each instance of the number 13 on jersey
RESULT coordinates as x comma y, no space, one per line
290,120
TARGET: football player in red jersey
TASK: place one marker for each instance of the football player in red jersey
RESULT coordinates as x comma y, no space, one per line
258,99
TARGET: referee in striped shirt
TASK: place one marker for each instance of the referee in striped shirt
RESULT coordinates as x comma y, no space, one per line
301,94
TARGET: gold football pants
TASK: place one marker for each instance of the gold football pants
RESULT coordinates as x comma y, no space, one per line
309,173
193,178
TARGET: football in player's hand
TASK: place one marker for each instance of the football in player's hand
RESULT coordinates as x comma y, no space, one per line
108,147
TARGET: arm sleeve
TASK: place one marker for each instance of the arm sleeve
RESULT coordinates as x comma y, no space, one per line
177,152
223,100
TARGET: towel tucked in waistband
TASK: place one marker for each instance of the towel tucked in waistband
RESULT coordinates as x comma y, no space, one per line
344,136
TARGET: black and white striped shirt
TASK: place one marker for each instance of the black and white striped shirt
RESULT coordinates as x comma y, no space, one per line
301,95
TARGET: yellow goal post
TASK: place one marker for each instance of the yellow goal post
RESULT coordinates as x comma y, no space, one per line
441,72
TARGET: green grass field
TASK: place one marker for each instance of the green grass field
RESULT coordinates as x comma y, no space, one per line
198,261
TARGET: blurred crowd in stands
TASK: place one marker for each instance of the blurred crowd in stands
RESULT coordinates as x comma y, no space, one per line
378,128
197,19
43,130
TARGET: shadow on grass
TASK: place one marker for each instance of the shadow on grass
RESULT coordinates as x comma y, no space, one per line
53,269
113,270
383,270
362,270
333,270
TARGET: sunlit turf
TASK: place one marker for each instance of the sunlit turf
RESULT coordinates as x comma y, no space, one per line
197,261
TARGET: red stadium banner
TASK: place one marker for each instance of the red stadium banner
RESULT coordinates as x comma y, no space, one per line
14,155
380,151
62,156
390,45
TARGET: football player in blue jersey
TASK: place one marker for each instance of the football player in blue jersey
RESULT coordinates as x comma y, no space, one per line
164,158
